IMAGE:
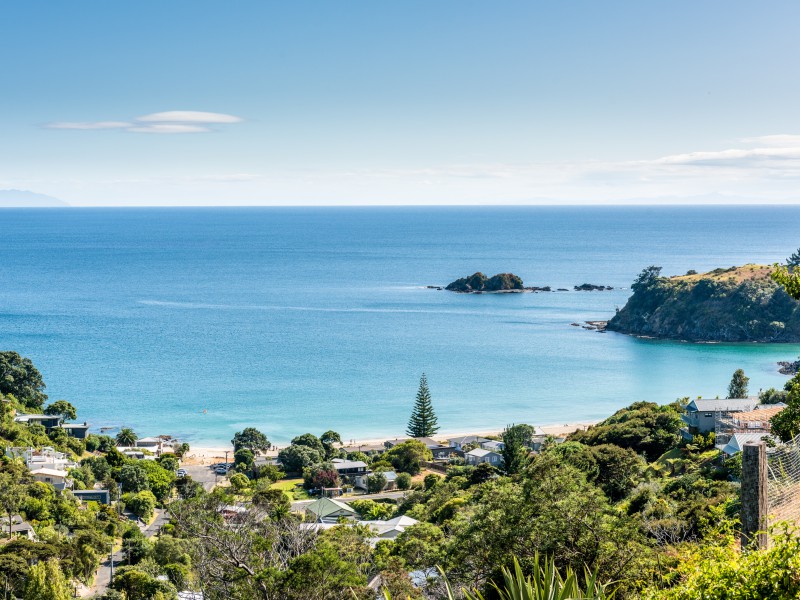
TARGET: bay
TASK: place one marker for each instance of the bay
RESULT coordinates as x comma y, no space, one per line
197,322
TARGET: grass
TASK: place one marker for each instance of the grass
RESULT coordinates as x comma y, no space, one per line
293,488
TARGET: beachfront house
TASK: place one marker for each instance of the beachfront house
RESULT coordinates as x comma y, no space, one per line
76,430
156,445
328,510
58,479
479,455
701,415
445,453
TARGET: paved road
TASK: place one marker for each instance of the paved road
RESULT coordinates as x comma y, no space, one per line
102,578
203,474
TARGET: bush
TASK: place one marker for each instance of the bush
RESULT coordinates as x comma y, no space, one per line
240,482
376,482
142,504
403,481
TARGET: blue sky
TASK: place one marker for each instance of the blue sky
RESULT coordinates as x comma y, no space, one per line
447,102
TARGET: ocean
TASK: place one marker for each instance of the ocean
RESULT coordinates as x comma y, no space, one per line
198,322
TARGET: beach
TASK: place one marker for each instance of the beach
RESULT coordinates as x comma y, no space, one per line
207,455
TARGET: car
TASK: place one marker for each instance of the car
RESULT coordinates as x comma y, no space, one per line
221,471
181,473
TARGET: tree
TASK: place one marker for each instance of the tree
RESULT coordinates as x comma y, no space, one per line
794,260
239,482
403,481
47,582
296,458
142,504
19,378
328,439
376,482
321,476
646,278
244,457
63,409
133,478
126,437
517,439
252,439
786,424
406,457
273,501
309,440
11,496
738,385
423,422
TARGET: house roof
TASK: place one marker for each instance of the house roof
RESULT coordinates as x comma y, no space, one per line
429,442
390,475
759,414
468,439
738,440
493,444
50,472
342,463
74,426
723,404
149,440
479,452
328,506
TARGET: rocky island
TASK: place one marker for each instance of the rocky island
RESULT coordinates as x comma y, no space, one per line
478,282
739,304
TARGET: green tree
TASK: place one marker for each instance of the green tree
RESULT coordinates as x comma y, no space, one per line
19,378
406,457
794,260
423,422
296,458
239,482
133,477
11,496
309,440
126,437
422,546
517,440
244,457
63,409
738,385
403,481
142,504
252,439
329,439
376,482
786,424
13,570
46,581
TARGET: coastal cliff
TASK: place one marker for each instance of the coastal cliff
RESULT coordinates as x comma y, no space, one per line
740,304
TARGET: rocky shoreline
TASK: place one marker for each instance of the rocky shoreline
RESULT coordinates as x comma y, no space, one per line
786,367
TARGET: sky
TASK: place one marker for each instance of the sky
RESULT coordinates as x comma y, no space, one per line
414,102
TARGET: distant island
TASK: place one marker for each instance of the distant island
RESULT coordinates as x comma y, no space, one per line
26,199
478,283
738,304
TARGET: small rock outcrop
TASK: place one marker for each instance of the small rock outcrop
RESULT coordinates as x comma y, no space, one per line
478,282
590,287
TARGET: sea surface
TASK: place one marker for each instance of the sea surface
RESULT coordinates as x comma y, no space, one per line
199,322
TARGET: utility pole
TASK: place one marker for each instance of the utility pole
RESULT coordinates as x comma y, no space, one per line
226,458
112,562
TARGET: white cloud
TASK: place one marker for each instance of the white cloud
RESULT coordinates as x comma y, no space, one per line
781,140
173,121
169,128
96,125
188,116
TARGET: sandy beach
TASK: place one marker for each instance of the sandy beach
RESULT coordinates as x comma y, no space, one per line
206,455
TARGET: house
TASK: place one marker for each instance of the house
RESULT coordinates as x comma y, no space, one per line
349,467
43,458
430,443
360,481
388,530
156,445
47,421
459,443
99,496
493,445
479,455
55,477
445,453
137,453
76,430
19,528
737,441
702,414
330,510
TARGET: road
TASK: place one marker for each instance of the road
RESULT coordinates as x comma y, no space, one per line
203,474
102,578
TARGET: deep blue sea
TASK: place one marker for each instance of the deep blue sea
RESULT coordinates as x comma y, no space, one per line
199,322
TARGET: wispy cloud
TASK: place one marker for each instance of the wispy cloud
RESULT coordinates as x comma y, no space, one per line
168,122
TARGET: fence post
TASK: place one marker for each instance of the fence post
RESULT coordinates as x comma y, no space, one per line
754,495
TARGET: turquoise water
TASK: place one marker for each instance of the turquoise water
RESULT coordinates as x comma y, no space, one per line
198,322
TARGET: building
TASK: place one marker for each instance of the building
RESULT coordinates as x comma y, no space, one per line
43,458
460,442
55,477
702,414
479,455
47,421
19,528
156,445
445,453
99,496
328,510
736,442
493,445
430,443
747,422
76,430
388,530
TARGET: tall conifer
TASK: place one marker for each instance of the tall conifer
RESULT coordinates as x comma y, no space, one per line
423,421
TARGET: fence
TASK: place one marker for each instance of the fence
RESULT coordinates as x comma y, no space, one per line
770,488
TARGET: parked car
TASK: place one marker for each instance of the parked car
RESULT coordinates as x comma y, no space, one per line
181,473
221,470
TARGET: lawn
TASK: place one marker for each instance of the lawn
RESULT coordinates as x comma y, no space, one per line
293,488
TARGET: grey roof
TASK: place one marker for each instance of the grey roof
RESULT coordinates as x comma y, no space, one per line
723,404
341,463
480,452
468,439
738,440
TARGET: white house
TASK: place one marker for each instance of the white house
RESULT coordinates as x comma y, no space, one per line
55,477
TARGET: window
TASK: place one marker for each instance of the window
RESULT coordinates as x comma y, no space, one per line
708,415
